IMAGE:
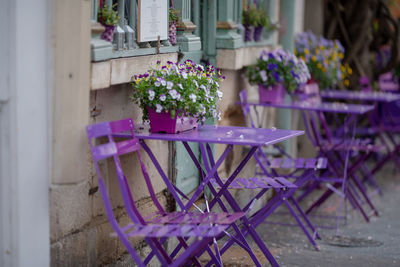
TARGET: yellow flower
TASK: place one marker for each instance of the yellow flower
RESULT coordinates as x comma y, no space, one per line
317,51
138,80
324,69
341,55
349,70
346,83
319,66
306,51
314,58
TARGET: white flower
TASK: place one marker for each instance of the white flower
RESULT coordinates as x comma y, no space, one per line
157,84
263,75
193,97
173,93
159,108
163,97
179,97
163,82
169,85
195,83
220,94
214,113
180,86
151,94
202,109
203,87
184,75
219,116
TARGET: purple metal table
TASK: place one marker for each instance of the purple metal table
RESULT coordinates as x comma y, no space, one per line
230,136
360,96
375,119
336,150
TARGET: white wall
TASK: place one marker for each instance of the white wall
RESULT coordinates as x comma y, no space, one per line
24,133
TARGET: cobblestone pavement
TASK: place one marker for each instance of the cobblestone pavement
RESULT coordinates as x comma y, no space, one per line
359,243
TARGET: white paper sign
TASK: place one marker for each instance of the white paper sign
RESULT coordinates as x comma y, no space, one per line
152,20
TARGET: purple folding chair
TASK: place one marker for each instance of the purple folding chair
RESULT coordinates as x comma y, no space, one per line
305,170
345,154
158,226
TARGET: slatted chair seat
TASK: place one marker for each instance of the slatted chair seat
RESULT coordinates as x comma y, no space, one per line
357,145
179,217
299,163
172,230
257,182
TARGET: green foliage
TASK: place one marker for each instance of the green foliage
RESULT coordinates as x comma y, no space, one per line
173,15
108,16
278,66
257,17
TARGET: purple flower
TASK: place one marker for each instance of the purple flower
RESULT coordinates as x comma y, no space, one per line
163,97
272,66
276,76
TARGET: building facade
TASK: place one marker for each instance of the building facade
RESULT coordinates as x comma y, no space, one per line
68,78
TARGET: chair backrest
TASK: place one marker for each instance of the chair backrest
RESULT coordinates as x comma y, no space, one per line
365,84
387,82
114,149
246,109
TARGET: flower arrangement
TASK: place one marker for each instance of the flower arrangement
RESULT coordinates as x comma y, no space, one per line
187,89
257,18
276,67
323,58
108,16
173,20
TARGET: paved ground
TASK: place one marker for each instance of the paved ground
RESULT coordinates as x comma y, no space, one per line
376,243
359,243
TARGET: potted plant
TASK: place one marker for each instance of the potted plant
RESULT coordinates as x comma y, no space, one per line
324,60
109,18
277,72
173,20
175,97
249,20
264,23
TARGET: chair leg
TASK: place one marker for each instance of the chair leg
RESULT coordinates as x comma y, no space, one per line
304,216
300,223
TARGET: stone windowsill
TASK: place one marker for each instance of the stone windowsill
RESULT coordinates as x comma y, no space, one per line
120,70
235,59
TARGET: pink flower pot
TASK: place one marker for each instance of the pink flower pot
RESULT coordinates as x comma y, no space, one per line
247,33
310,92
108,34
257,33
163,123
271,94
